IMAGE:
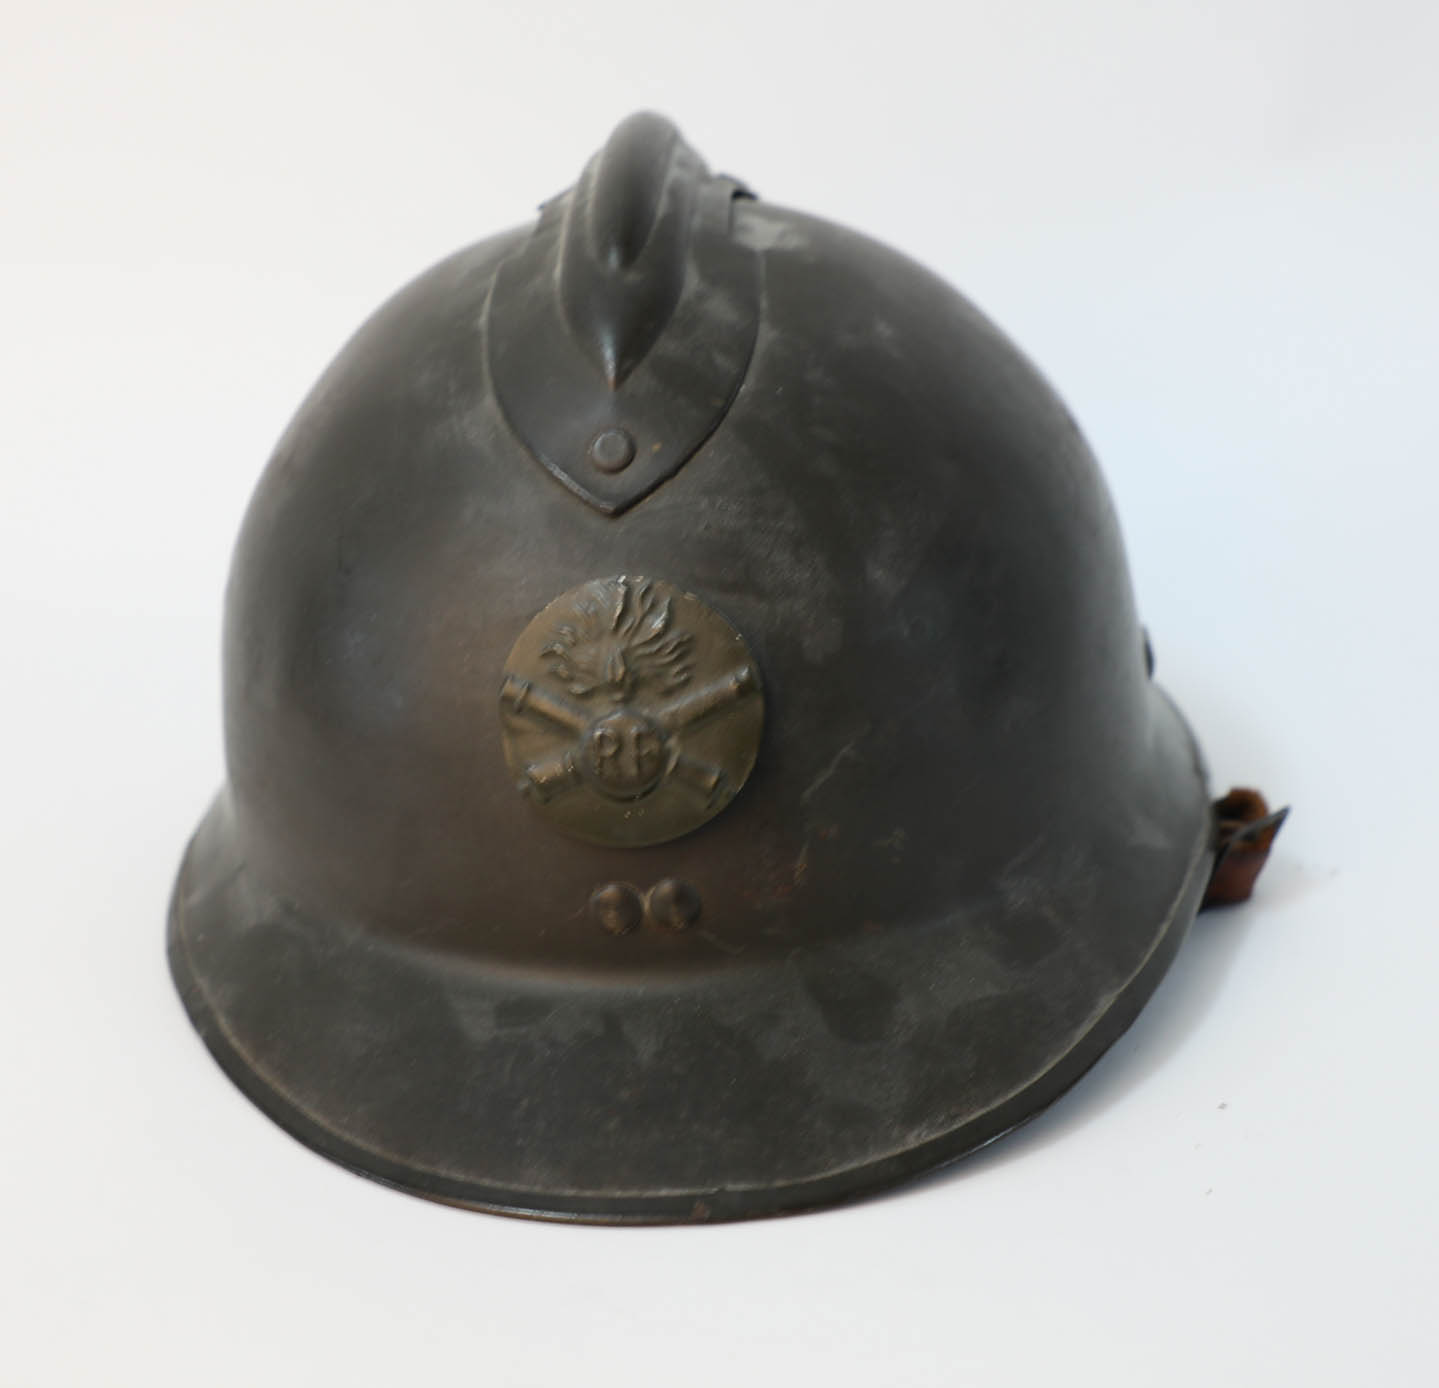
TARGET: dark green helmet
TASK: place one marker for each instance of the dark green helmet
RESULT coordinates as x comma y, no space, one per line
691,749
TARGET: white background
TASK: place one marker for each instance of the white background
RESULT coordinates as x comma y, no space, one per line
1214,225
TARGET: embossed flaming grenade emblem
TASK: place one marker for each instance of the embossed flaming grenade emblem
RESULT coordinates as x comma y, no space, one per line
615,684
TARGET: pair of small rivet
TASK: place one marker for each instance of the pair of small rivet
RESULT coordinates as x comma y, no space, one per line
612,450
671,904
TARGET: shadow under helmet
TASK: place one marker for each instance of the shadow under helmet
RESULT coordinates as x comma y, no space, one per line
691,749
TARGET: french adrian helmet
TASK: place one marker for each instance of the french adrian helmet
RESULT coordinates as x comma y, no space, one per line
692,753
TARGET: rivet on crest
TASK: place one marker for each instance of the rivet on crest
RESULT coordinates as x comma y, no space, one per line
612,450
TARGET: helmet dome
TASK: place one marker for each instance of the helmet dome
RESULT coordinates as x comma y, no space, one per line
691,747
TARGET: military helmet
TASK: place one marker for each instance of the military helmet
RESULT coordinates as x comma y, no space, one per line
692,753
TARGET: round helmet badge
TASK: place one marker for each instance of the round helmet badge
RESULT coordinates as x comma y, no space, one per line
632,711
